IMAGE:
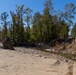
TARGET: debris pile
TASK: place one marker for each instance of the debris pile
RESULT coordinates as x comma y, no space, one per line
60,45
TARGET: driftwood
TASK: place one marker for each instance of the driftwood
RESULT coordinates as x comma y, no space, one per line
60,41
7,43
56,42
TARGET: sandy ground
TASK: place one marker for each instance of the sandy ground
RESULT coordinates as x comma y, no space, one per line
25,61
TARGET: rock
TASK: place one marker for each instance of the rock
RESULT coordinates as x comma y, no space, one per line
7,43
56,63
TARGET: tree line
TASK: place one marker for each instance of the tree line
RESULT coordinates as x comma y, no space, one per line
38,28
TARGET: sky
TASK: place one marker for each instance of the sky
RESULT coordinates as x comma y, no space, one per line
35,5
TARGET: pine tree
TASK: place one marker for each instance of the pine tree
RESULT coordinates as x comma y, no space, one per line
73,32
4,17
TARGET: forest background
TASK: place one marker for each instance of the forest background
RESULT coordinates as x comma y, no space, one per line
24,26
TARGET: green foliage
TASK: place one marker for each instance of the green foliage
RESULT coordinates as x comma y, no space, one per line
64,29
37,27
17,28
41,28
4,17
73,32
